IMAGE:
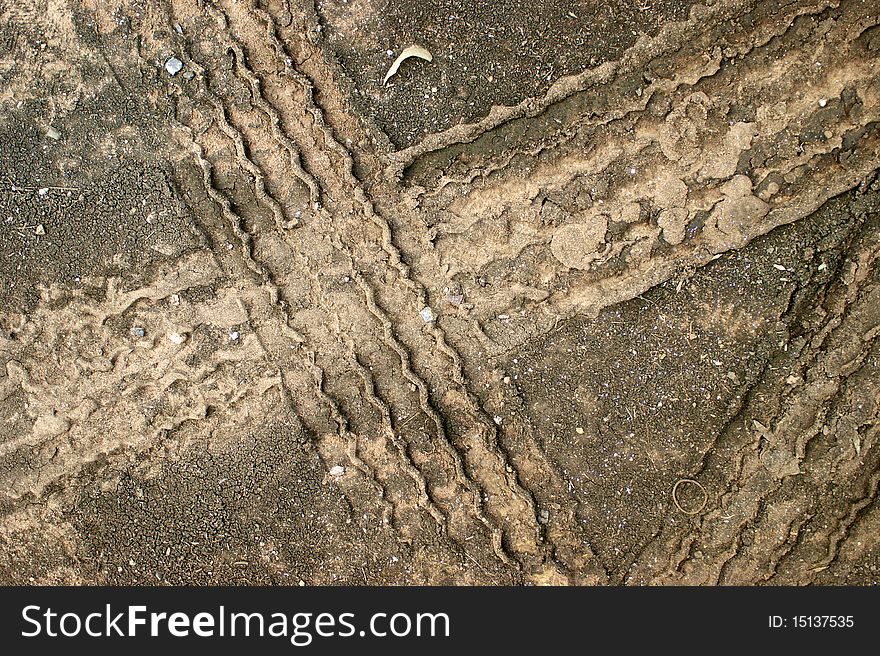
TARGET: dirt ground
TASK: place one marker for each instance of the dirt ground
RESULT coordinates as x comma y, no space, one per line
591,297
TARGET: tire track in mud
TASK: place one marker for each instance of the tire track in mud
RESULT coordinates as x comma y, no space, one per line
673,38
621,110
399,445
352,440
495,176
422,387
64,437
341,246
325,349
504,472
783,468
281,224
277,130
343,427
751,449
643,121
444,443
699,57
818,411
619,290
309,359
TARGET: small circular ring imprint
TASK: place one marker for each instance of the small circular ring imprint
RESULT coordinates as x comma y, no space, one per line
692,482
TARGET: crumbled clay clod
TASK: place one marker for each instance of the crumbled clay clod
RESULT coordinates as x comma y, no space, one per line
631,212
673,222
738,210
577,245
738,138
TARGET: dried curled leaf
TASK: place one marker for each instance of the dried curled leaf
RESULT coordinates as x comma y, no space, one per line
412,51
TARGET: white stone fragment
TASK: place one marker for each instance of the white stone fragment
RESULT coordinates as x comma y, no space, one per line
177,338
173,66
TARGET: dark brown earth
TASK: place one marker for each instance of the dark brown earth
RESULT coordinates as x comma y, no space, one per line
644,234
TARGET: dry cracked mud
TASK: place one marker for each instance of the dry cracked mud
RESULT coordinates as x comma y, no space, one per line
592,297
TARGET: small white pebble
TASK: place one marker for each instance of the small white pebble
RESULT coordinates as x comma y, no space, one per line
337,470
173,66
177,338
53,133
427,314
497,419
822,102
234,335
